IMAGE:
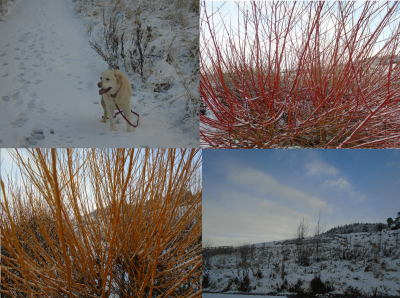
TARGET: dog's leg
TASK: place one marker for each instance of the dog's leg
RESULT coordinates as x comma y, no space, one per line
110,111
103,104
127,113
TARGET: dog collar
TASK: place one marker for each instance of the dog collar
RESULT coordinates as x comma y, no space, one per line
115,95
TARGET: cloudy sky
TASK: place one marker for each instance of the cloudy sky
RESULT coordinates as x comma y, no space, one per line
255,196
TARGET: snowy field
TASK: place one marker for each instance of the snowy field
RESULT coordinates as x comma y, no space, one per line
49,96
363,264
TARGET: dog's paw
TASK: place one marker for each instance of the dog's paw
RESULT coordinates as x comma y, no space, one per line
104,120
130,129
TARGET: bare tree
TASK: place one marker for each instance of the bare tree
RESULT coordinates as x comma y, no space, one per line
319,230
301,232
244,251
207,244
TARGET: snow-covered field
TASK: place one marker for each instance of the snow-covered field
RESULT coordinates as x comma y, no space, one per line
49,72
363,264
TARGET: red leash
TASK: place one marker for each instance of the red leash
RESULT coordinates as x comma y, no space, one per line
120,112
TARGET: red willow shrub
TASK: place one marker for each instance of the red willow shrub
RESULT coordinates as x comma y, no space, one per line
301,74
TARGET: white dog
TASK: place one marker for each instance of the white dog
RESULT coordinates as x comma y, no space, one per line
115,89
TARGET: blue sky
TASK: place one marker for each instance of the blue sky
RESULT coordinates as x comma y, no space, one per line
261,195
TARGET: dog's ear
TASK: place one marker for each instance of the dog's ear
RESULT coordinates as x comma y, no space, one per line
119,77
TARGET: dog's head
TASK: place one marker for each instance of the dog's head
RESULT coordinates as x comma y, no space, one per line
110,81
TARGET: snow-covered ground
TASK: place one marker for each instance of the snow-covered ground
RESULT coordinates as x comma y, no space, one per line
48,92
363,264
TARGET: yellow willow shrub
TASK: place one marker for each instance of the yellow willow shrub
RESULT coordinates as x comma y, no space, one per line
102,223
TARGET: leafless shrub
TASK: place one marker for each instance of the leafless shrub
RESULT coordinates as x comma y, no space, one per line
319,229
133,58
244,252
141,240
3,7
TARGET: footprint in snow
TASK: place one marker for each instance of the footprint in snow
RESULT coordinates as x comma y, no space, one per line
18,103
38,82
5,98
40,110
4,64
16,49
19,122
2,54
21,80
4,74
37,134
29,141
23,37
21,65
15,95
30,104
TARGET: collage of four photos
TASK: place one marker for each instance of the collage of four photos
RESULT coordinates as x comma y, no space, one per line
187,148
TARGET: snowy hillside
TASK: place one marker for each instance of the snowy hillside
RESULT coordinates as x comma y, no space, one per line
364,264
49,72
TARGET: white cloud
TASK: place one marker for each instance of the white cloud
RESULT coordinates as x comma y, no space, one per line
358,197
263,183
317,167
340,183
246,218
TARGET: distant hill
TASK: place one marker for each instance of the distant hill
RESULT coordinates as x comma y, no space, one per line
357,228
